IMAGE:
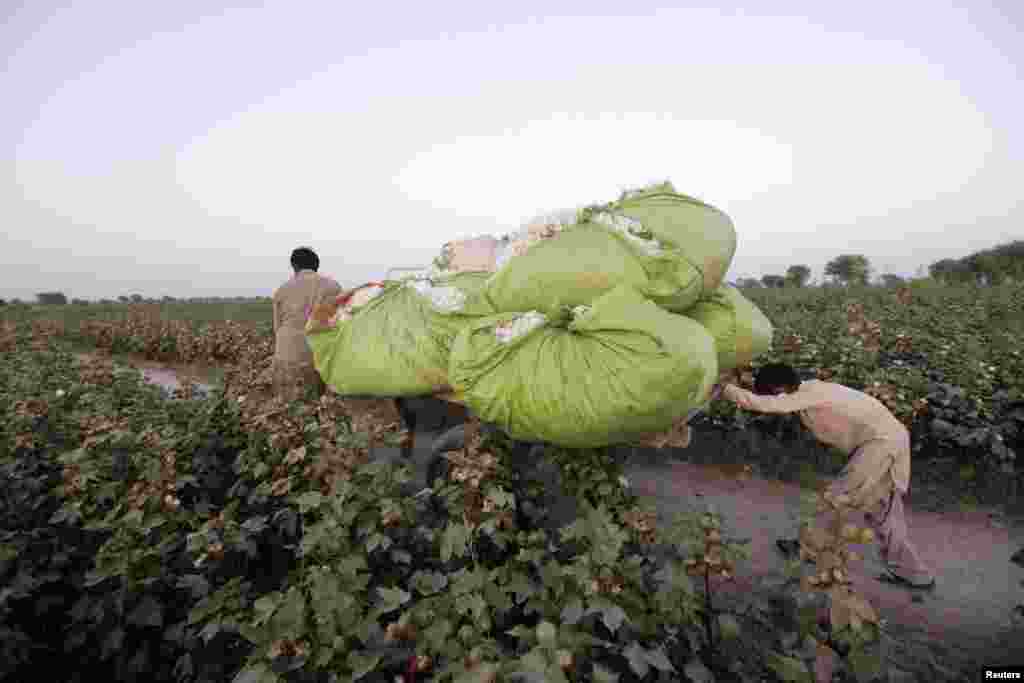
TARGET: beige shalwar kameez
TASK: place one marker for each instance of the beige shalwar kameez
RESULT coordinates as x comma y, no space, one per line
878,474
294,374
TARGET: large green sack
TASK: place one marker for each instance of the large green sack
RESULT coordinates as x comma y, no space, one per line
397,344
607,374
579,264
698,244
673,248
741,330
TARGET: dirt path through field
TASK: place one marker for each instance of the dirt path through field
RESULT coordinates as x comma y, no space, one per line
969,618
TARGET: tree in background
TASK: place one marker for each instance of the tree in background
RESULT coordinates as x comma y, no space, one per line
748,283
890,280
79,302
773,281
849,269
1002,263
52,298
136,298
798,275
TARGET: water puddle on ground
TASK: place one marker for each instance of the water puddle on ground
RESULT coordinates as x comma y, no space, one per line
168,380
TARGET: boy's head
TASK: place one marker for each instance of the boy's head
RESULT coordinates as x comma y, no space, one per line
305,258
776,378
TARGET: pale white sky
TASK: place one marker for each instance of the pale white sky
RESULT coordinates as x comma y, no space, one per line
185,148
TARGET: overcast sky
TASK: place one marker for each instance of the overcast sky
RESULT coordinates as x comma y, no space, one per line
186,147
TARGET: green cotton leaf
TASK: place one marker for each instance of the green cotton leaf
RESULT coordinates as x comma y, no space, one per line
428,583
401,556
210,631
534,661
393,598
455,541
288,620
257,673
501,498
696,672
496,597
866,667
573,612
362,664
637,659
603,675
520,585
524,633
349,567
133,518
788,669
377,540
473,604
148,612
7,553
437,634
465,581
547,634
265,606
659,660
196,583
551,577
728,626
612,615
309,500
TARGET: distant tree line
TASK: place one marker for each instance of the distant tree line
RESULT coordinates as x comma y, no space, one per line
994,266
52,298
59,299
1002,263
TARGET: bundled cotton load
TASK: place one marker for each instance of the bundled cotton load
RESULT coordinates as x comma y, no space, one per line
599,326
392,339
672,248
603,374
741,330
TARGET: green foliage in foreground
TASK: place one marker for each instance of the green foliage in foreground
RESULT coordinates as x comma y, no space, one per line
163,540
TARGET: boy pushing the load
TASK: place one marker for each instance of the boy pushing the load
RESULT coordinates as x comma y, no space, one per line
877,476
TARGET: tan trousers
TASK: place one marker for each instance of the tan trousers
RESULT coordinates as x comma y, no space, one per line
297,381
875,480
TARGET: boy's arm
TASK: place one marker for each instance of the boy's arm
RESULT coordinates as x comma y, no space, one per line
331,291
784,403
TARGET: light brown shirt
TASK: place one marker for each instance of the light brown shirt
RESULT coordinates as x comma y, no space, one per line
293,303
837,415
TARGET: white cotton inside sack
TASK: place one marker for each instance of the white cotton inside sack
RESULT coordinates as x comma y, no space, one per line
630,229
519,326
444,299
